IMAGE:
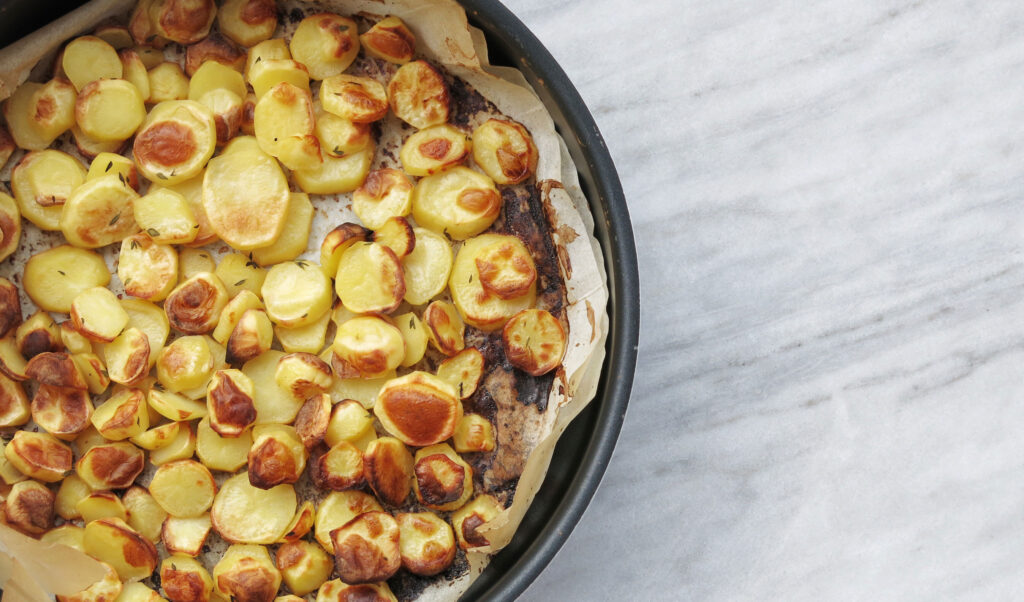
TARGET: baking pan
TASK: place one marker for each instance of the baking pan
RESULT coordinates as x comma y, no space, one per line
583,452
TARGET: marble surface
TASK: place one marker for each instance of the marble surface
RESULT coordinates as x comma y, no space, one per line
827,201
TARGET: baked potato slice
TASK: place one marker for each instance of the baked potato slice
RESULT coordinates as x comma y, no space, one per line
337,241
325,43
151,320
337,509
113,541
10,226
185,579
366,548
434,149
29,508
230,402
167,82
39,456
304,339
61,411
232,313
444,327
89,58
186,363
125,414
426,542
68,535
109,110
227,108
158,436
243,513
388,468
370,279
419,95
284,125
458,202
240,273
312,420
265,73
304,566
53,278
534,341
505,151
296,293
251,336
99,212
37,335
166,217
389,39
180,448
71,490
147,269
57,369
294,236
195,305
42,182
182,21
183,488
192,191
18,113
444,481
337,468
273,402
349,421
134,70
277,456
246,572
336,175
175,142
355,98
303,374
339,136
414,335
52,109
98,315
101,504
369,345
419,408
492,262
467,520
185,536
111,163
226,454
336,590
10,307
463,370
214,49
397,234
266,50
474,433
427,267
248,22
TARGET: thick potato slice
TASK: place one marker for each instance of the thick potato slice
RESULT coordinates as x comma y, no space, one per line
444,327
264,74
464,371
388,468
505,151
214,49
57,369
340,137
468,519
247,22
304,566
122,416
232,313
10,226
166,217
338,508
52,109
444,481
369,345
109,110
370,279
175,142
185,535
147,269
492,262
111,465
89,58
243,513
192,191
107,163
326,44
227,108
312,420
418,95
251,336
99,212
246,572
60,411
14,406
180,448
273,402
303,374
428,267
187,363
277,456
389,39
230,402
304,339
246,196
426,541
101,504
337,175
336,590
338,468
337,242
134,70
474,433
167,82
113,541
184,488
182,21
240,273
185,579
534,341
355,98
144,514
29,508
151,320
294,236
195,305
418,408
349,422
159,436
366,548
42,182
284,125
97,314
10,306
433,150
56,276
296,293
459,202
18,113
226,454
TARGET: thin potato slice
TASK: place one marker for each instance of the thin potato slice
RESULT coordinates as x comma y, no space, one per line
227,108
230,401
389,39
247,22
388,468
370,279
246,572
57,369
97,314
338,508
355,98
53,278
295,235
349,421
326,44
414,334
366,548
265,50
18,112
93,370
312,420
182,21
426,541
306,339
239,272
89,58
122,416
111,465
242,513
428,267
507,265
42,182
296,293
464,370
301,523
337,242
337,175
166,217
444,327
101,504
90,148
180,448
184,488
444,481
433,150
214,49
175,142
147,269
304,566
107,163
232,313
505,151
474,433
135,71
72,490
273,403
113,541
187,363
192,191
185,579
99,213
468,519
251,336
277,456
418,95
117,36
60,411
369,345
458,202
109,110
283,115
29,508
304,374
226,454
339,136
185,535
167,82
52,109
151,320
158,437
194,261
264,74
418,408
14,406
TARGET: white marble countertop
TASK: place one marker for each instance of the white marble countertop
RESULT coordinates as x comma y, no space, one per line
827,201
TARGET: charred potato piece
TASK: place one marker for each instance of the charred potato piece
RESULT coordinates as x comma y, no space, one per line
312,420
42,182
304,374
167,82
182,21
464,370
101,504
226,454
444,327
444,481
246,572
251,336
433,150
390,40
426,542
295,235
273,403
185,535
337,242
277,456
238,272
284,125
134,71
505,151
53,278
175,141
62,412
396,234
304,566
10,306
366,548
99,213
195,305
296,293
336,175
304,339
468,519
147,269
458,202
214,49
418,95
89,58
340,137
109,110
248,22
326,44
185,579
369,345
230,403
166,217
185,364
38,334
183,488
113,541
388,467
242,513
492,262
428,267
107,163
232,313
418,408
338,468
57,369
355,98
97,314
152,321
111,465
337,509
29,508
370,279
534,341
122,416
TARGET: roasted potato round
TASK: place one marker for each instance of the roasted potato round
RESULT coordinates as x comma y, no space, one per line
534,341
468,519
418,95
418,408
459,202
195,305
53,278
338,508
296,293
89,58
355,98
39,456
505,151
111,465
488,272
433,150
366,548
42,182
388,468
242,513
175,141
184,488
369,278
109,110
444,481
326,44
426,542
247,22
113,541
61,411
389,39
369,345
304,566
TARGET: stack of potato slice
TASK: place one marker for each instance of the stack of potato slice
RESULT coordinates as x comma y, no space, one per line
197,404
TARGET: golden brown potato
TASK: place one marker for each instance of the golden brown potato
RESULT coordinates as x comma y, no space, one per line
230,403
62,412
368,345
248,22
109,110
185,579
296,293
113,541
337,242
195,305
147,269
418,408
312,419
151,320
226,454
295,235
125,414
214,48
464,370
185,536
355,98
227,110
397,234
277,456
284,125
370,278
175,142
336,590
101,504
474,433
106,163
53,278
57,369
304,566
184,488
340,137
93,370
242,513
99,212
138,592
134,70
418,95
89,58
338,508
166,217
505,151
52,109
18,112
469,518
12,364
433,150
458,202
72,340
97,314
10,306
38,334
366,548
338,468
336,175
185,364
273,403
251,336
238,272
301,523
232,312
14,407
492,262
182,21
246,212
326,44
444,327
389,39
246,572
29,508
8,473
304,374
388,467
534,341
426,541
39,456
42,182
444,481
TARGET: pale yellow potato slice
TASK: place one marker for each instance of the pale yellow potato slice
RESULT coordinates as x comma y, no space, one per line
151,56
10,225
363,390
147,269
99,213
433,150
52,109
107,588
174,406
227,110
246,196
464,370
296,293
240,273
247,22
507,264
369,345
226,454
325,43
185,579
184,488
339,136
283,118
144,514
459,202
301,523
175,142
336,175
338,508
396,233
389,39
135,71
166,217
109,110
337,241
150,319
273,403
127,357
195,305
426,542
307,339
138,592
418,408
192,191
93,369
304,566
418,95
369,279
42,182
194,261
294,236
101,504
186,363
264,74
158,436
90,148
73,340
505,151
445,327
8,472
180,448
68,535
414,334
122,416
349,422
167,82
89,58
428,267
111,163
117,36
211,76
97,314
17,113
265,50
242,513
113,541
72,490
232,313
338,468
185,535
53,278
